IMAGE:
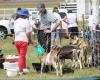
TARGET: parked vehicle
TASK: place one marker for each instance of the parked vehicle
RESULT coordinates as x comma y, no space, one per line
6,26
4,29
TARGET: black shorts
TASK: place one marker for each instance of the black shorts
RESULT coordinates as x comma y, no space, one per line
98,36
98,33
73,31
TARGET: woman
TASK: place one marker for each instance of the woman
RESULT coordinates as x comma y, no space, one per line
55,35
22,38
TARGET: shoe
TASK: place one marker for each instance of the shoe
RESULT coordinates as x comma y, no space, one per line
25,70
20,73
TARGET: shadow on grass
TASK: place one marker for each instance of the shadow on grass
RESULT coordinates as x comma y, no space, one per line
37,68
87,78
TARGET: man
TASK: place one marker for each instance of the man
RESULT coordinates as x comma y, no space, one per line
43,23
72,25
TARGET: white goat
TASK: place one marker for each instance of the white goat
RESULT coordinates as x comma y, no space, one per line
51,59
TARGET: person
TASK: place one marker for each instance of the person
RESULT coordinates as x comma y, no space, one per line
98,35
72,25
18,9
43,22
22,37
55,35
13,18
90,30
11,23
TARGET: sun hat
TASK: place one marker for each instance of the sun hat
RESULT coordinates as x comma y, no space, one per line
23,12
40,5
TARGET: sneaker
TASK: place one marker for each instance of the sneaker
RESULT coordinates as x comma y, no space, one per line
20,73
25,70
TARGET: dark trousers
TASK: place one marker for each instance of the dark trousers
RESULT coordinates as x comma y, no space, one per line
73,31
44,40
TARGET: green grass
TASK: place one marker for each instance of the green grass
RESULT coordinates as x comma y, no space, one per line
8,48
26,5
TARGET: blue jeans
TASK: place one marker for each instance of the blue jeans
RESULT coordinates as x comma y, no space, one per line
55,35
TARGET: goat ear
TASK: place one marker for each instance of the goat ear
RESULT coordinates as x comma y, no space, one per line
53,47
58,49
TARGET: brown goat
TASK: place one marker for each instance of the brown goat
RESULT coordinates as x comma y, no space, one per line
85,56
70,52
57,56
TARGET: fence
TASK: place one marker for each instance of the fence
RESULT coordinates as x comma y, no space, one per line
96,49
69,6
93,40
9,11
6,12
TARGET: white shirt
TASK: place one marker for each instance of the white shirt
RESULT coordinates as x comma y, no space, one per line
91,23
71,19
57,17
21,28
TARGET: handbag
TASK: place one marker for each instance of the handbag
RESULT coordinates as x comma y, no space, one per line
39,50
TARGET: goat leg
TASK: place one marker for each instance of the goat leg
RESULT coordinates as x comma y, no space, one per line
80,64
61,69
55,65
42,65
49,66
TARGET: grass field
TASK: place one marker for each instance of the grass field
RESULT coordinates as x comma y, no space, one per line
27,5
8,48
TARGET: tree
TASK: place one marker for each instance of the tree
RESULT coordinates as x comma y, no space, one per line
95,7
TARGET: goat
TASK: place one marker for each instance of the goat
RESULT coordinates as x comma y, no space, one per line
70,52
85,56
51,58
57,56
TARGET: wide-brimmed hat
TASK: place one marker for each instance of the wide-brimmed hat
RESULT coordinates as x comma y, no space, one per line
23,12
40,5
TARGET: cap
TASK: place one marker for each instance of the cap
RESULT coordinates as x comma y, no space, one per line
40,5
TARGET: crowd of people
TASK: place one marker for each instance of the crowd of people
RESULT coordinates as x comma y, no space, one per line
48,24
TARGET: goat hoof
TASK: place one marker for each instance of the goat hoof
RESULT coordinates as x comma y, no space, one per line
60,75
57,74
80,68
